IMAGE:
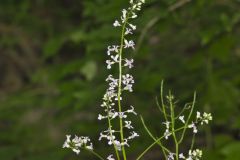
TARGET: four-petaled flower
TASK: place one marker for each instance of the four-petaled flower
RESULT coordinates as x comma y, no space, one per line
128,63
129,44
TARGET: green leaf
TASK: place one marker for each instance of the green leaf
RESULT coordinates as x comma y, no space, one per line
77,36
52,46
89,70
231,151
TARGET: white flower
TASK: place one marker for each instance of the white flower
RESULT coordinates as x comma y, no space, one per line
199,115
118,145
67,142
194,127
110,93
134,15
128,124
112,114
125,142
90,147
115,58
109,78
129,44
137,5
124,15
133,135
181,118
102,136
122,115
110,157
116,23
109,64
128,81
170,156
128,87
113,48
109,135
77,151
133,26
194,154
181,156
167,124
76,143
131,110
128,31
167,133
100,117
113,83
206,117
104,104
116,98
128,63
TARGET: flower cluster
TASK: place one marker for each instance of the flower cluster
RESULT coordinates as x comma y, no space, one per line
185,123
167,132
192,155
128,28
204,118
124,82
77,142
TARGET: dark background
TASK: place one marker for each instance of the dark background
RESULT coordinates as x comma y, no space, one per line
52,72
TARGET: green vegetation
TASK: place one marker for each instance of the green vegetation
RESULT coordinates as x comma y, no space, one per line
52,69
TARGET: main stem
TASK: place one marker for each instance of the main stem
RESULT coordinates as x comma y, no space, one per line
173,126
110,128
120,90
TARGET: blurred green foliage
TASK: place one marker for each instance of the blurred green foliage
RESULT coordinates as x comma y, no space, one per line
52,71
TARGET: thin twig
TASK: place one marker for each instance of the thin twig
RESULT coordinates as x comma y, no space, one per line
164,149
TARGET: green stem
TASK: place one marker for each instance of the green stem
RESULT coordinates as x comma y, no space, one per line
110,128
159,139
162,101
173,125
188,119
164,149
95,153
120,87
193,141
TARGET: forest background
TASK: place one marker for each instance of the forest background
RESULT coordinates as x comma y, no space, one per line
52,66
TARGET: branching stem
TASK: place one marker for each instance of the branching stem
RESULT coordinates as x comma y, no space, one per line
155,142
